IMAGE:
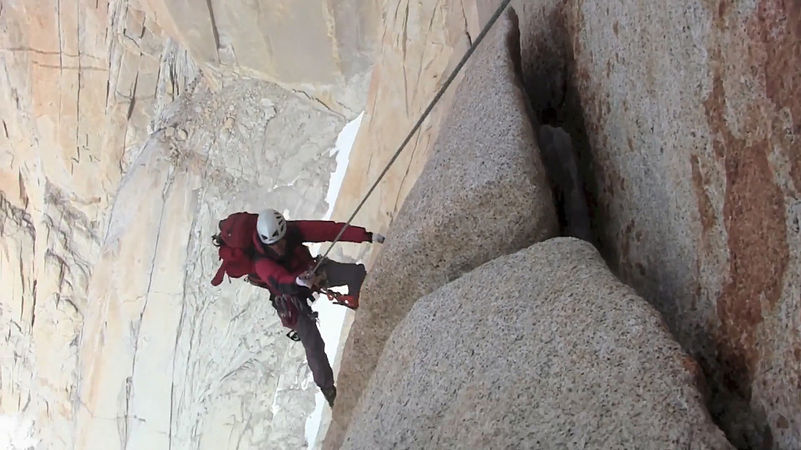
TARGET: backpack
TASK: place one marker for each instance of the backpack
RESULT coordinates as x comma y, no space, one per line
235,249
235,246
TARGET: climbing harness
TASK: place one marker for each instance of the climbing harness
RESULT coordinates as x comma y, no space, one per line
419,122
337,298
290,308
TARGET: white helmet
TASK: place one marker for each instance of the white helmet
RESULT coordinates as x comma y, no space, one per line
271,226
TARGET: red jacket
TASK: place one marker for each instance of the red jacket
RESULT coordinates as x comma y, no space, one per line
279,273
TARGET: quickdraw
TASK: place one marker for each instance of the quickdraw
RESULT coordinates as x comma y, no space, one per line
345,300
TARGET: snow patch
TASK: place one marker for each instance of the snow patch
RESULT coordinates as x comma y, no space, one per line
332,317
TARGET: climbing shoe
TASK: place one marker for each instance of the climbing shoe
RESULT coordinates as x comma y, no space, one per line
330,393
351,301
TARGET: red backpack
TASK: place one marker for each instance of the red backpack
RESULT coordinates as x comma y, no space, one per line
235,246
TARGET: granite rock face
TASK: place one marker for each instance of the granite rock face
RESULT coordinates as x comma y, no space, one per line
322,48
81,82
686,119
693,156
120,152
541,348
483,193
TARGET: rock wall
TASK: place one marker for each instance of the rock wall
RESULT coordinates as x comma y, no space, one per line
540,348
691,116
322,48
685,117
685,123
119,155
80,84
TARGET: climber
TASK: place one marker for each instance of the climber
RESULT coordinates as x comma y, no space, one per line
275,258
285,262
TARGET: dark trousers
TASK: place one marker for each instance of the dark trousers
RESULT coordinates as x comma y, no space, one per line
315,349
337,274
344,274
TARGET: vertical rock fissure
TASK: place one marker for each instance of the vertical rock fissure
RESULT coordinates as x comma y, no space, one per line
129,389
214,30
78,87
558,154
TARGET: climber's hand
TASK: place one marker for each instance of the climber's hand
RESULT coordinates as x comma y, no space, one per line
306,279
378,238
309,279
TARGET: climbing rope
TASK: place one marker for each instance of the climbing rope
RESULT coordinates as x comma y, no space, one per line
419,122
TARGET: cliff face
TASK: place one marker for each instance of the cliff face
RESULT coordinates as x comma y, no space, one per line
322,48
692,154
129,129
685,120
81,83
121,148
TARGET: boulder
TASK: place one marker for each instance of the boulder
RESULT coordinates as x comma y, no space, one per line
541,348
483,193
